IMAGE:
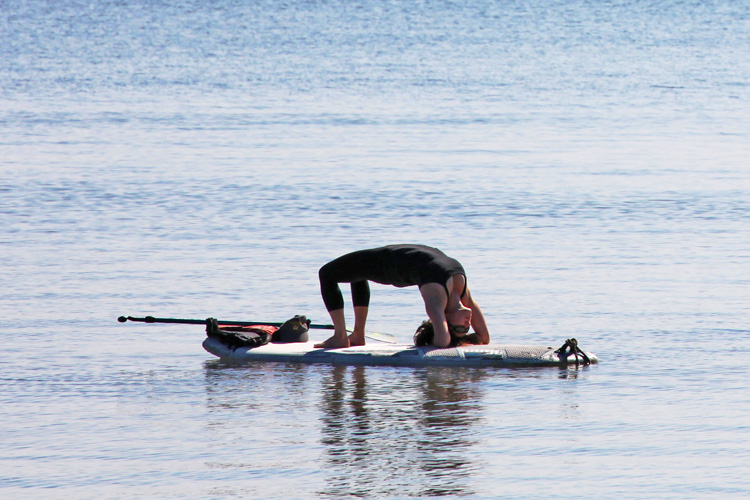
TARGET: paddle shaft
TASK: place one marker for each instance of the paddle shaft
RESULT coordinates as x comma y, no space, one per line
151,319
382,337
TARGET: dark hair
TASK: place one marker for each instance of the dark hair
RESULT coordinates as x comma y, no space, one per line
425,335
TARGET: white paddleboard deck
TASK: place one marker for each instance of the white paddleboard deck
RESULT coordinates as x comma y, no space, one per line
398,354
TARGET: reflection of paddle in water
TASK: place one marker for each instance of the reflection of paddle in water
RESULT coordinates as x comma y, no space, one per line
400,432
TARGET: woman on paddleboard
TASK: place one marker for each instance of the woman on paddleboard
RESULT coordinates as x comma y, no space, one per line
441,281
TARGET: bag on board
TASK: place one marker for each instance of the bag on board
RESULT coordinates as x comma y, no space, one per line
293,330
239,336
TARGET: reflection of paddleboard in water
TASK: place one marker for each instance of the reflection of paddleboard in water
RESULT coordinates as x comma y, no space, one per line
407,355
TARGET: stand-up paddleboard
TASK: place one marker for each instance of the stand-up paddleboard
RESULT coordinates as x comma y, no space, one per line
389,354
407,355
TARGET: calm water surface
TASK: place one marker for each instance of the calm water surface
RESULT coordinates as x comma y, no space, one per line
587,162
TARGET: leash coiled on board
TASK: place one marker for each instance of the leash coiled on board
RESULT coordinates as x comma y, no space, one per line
571,347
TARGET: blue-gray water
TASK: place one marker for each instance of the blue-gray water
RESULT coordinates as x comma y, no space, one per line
588,163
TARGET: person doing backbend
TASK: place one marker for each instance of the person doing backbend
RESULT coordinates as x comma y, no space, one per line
441,281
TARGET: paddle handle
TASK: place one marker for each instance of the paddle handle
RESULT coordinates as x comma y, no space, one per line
151,319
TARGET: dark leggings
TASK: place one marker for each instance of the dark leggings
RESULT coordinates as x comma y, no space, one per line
346,269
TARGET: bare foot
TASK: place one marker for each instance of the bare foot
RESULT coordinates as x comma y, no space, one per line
334,343
356,338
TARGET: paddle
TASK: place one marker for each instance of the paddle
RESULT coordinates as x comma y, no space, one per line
382,337
151,319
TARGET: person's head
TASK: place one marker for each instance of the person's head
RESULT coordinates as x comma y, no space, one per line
459,320
425,334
